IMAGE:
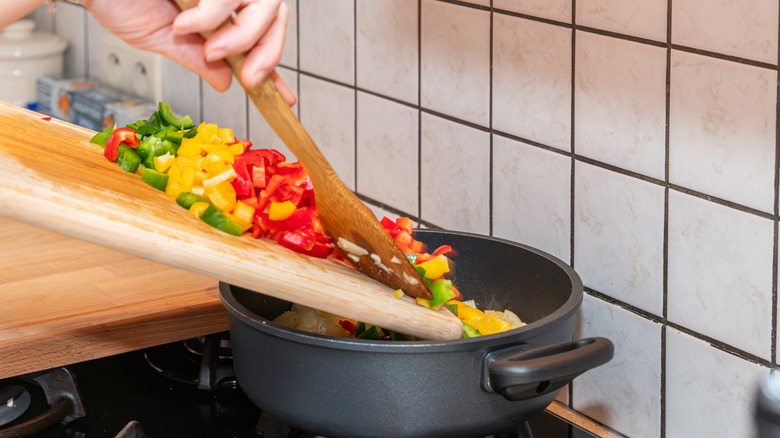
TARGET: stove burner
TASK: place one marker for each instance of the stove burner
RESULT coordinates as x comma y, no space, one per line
15,401
206,361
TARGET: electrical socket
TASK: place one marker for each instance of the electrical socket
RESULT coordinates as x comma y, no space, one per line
131,70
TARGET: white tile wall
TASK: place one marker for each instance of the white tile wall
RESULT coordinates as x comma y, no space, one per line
709,392
532,80
387,152
455,61
327,110
476,115
326,39
722,137
618,236
630,402
559,10
455,166
387,48
620,103
743,28
720,272
639,18
531,196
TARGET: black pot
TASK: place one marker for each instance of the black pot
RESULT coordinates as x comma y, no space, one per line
463,388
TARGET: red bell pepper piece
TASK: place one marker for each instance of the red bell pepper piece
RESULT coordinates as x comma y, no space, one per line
405,224
242,183
125,136
389,225
348,326
299,218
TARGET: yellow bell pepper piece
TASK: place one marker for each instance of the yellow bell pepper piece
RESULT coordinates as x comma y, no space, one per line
226,135
466,312
228,175
435,267
207,133
243,212
223,196
173,188
163,162
489,325
244,225
214,164
189,149
279,211
220,150
236,149
187,179
197,208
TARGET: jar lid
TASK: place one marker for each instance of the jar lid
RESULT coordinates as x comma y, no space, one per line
19,40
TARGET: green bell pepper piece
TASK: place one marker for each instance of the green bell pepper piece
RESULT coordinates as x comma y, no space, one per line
191,133
186,199
372,332
216,219
469,331
167,116
156,179
101,137
152,126
442,292
127,159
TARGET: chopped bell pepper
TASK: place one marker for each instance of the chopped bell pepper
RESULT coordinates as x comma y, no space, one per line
435,267
156,179
197,208
186,199
218,220
101,137
166,115
127,159
121,136
279,211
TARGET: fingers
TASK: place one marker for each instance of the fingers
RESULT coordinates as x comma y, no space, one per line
264,57
284,90
250,24
206,16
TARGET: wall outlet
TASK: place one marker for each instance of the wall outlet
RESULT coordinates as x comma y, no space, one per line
131,70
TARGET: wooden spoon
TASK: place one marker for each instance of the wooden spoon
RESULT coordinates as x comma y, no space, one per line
52,177
360,237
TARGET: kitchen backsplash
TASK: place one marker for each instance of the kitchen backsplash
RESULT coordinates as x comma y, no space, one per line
636,140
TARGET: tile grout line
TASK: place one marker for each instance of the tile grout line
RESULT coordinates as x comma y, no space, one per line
490,123
572,161
419,109
773,330
665,249
355,148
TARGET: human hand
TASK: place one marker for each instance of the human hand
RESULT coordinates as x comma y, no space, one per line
160,26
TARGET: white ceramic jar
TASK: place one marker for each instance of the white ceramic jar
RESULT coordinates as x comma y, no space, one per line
24,56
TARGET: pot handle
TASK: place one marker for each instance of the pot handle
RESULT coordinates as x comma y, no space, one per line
520,375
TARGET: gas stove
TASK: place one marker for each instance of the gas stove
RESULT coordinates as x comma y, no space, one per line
182,389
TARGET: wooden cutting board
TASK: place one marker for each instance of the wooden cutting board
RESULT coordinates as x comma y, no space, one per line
63,300
53,178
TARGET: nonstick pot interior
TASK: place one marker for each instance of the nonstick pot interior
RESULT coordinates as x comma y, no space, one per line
497,274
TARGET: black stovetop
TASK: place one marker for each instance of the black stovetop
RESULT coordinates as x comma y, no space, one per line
125,390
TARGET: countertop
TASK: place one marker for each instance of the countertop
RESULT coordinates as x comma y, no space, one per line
63,300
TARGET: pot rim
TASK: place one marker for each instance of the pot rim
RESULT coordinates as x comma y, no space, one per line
513,336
